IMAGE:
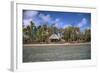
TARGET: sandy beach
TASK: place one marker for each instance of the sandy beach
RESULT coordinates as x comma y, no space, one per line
55,44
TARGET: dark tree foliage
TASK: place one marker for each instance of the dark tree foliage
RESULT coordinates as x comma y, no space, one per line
41,33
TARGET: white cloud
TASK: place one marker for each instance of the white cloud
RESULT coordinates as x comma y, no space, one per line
84,28
82,23
37,22
26,22
30,14
67,25
57,20
57,25
45,18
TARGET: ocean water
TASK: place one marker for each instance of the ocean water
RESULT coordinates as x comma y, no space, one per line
56,53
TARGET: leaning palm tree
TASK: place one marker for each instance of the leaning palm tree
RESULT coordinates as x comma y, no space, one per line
30,31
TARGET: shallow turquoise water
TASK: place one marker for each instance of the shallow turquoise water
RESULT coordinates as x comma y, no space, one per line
56,53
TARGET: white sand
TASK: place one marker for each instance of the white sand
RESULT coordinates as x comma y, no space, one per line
55,44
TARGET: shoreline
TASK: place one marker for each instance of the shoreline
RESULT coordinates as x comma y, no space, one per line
32,45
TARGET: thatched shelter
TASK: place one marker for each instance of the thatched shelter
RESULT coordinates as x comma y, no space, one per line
54,38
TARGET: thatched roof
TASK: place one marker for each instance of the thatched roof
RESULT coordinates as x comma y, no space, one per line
54,36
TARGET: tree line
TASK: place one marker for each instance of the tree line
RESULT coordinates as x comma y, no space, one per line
41,33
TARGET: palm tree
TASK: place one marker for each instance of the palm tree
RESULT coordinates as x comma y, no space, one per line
32,27
71,33
29,31
87,35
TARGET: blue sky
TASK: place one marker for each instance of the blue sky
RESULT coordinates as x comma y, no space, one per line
59,19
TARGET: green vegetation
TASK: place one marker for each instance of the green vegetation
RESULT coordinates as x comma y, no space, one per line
41,34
